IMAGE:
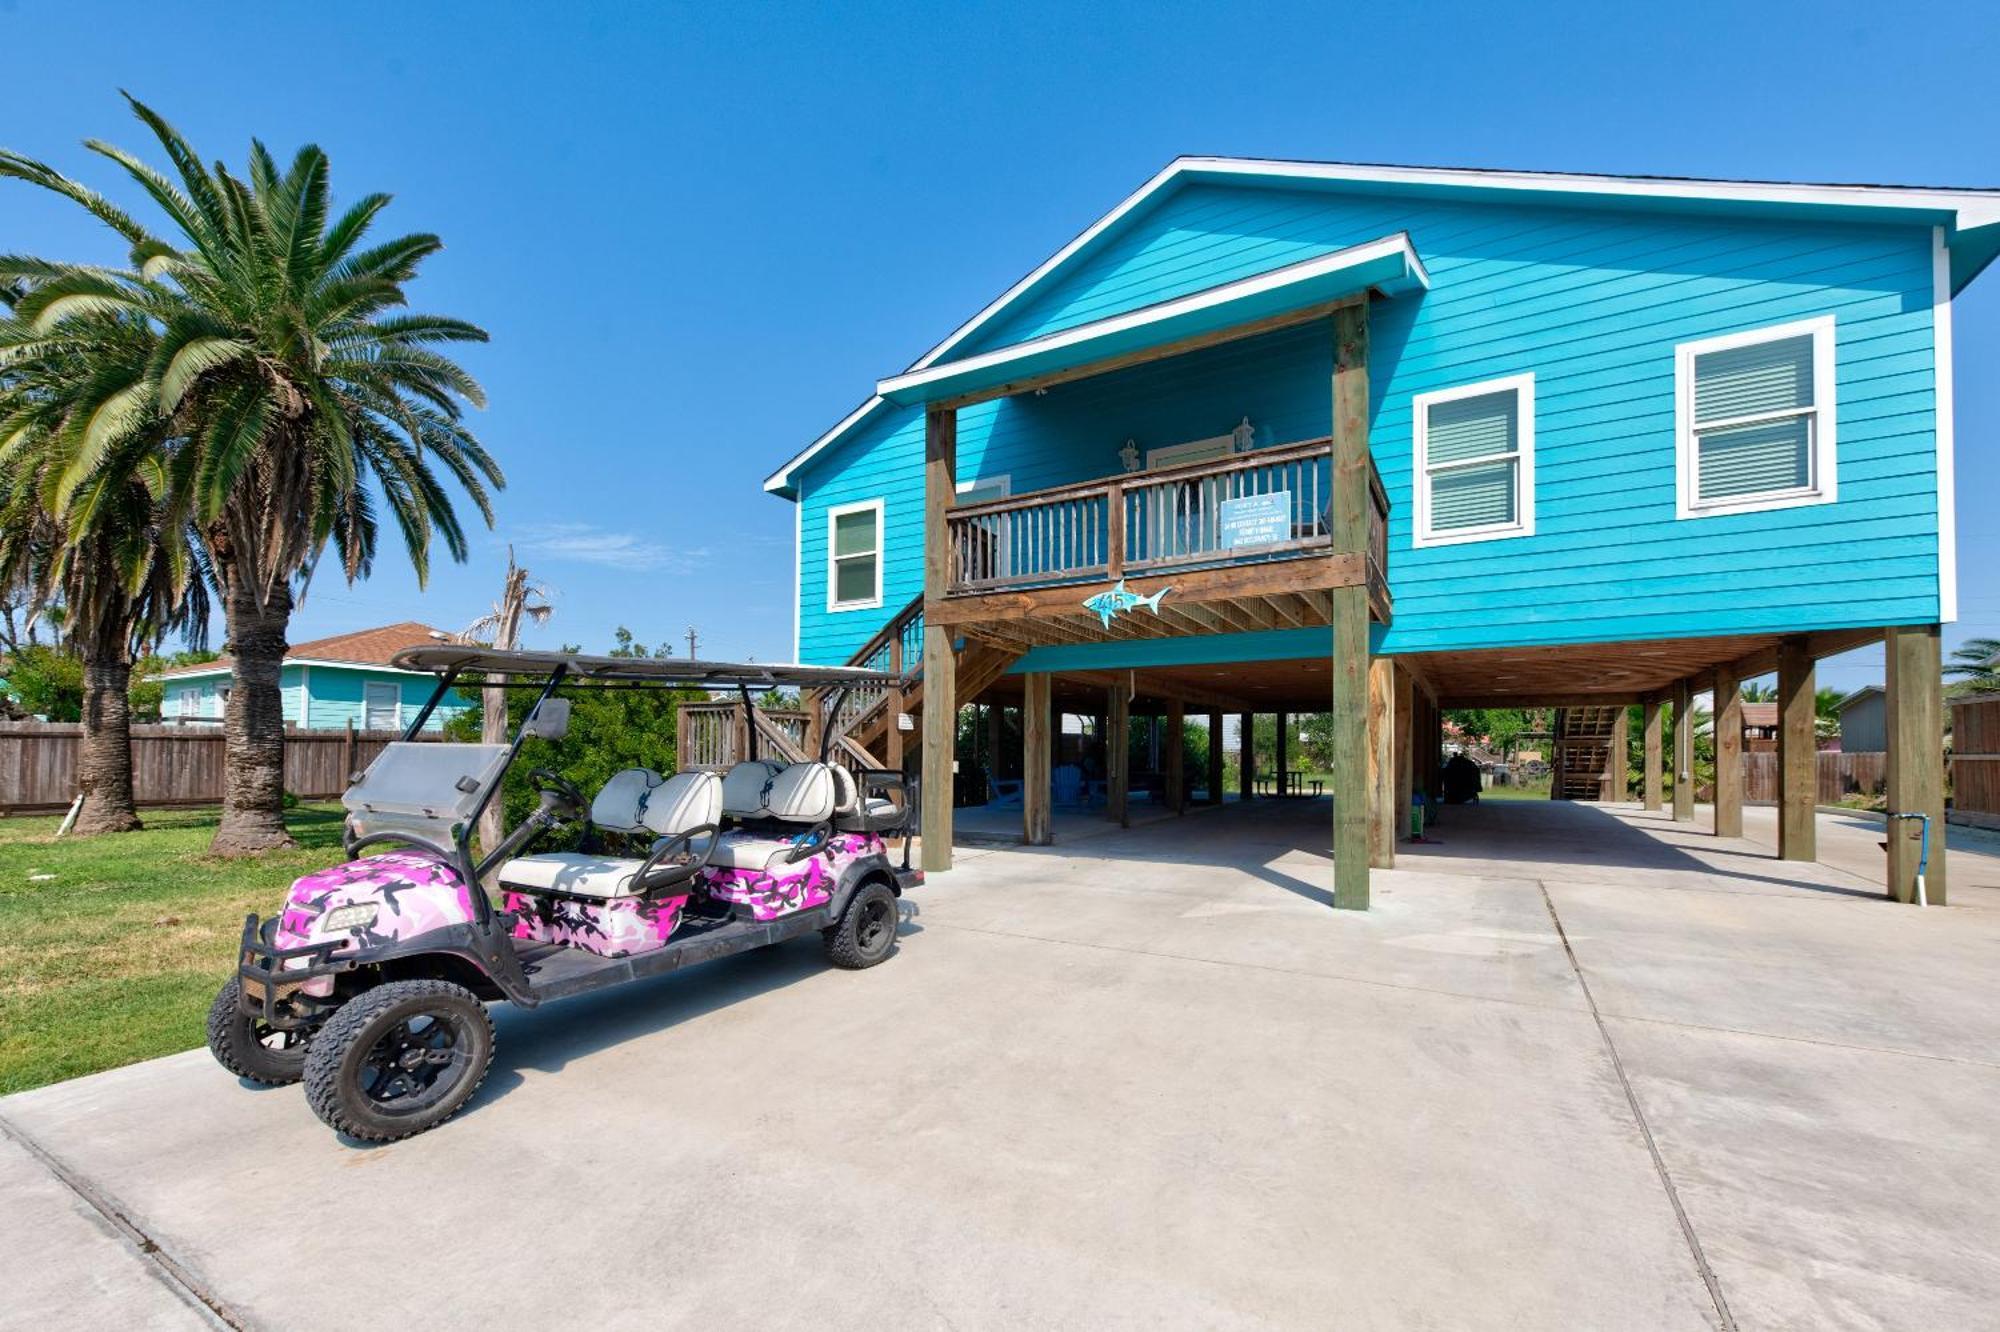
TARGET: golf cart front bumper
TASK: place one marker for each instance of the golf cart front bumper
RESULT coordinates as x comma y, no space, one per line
286,987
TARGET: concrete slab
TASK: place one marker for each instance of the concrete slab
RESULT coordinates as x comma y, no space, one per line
1153,1080
63,1264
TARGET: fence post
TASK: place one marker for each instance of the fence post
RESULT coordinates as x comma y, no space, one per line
347,756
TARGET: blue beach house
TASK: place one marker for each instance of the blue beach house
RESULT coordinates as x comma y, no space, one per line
1389,440
326,684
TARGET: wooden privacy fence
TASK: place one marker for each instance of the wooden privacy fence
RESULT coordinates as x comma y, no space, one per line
1839,775
1975,760
172,765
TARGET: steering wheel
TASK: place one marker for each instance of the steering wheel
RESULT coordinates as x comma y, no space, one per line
560,792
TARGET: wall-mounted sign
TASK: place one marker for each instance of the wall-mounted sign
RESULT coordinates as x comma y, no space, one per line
1120,600
1254,520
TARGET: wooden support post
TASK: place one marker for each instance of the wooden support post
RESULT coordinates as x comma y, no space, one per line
1118,756
1798,753
739,732
1382,763
1214,758
1405,751
1036,764
1175,757
1350,508
1728,712
940,664
1913,688
1683,752
1246,756
1612,789
1281,737
1655,784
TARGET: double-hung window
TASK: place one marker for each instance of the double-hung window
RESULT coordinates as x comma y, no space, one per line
854,556
1754,419
1475,462
381,706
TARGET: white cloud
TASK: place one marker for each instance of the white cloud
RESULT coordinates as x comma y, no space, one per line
586,543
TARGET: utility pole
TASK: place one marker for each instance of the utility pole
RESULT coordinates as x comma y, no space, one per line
501,628
694,640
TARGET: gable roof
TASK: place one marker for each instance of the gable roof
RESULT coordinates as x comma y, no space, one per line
363,647
1970,217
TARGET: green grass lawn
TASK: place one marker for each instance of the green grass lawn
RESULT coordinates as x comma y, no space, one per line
116,957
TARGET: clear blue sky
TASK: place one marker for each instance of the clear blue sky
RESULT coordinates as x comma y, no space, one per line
699,234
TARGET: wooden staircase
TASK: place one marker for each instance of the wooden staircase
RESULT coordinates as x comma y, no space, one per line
1583,757
868,733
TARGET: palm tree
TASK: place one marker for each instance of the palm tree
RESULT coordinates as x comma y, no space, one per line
300,396
119,563
1976,662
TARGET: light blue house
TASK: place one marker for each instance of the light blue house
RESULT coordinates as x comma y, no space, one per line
326,684
1514,438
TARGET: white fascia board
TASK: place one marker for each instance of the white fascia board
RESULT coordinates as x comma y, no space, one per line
1414,278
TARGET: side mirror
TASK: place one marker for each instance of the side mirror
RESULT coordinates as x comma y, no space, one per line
549,721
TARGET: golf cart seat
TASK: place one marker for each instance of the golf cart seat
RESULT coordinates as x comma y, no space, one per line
746,790
636,800
861,804
804,793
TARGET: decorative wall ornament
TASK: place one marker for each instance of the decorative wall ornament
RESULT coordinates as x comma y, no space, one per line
1245,436
1129,455
1106,605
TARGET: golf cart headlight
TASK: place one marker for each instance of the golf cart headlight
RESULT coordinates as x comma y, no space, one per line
347,917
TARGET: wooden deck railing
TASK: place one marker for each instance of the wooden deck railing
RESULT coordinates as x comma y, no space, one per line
1151,522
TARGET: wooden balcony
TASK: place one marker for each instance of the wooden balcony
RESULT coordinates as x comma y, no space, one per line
1020,568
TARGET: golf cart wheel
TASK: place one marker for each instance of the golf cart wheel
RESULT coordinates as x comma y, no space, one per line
249,1048
398,1059
866,933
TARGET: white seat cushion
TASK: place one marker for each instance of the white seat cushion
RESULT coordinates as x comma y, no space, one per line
685,801
748,853
845,792
802,793
620,806
602,877
743,789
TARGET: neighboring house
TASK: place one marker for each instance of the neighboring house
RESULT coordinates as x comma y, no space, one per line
326,684
1519,438
1760,723
1864,721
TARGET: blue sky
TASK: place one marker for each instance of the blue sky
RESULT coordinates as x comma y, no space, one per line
698,234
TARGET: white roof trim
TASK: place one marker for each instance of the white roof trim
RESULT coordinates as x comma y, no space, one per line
1325,265
1970,207
213,668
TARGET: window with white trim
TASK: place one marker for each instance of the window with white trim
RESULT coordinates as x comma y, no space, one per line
1475,462
1753,418
854,556
381,706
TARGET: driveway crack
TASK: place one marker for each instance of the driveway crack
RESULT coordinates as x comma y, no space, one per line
178,1278
1701,1263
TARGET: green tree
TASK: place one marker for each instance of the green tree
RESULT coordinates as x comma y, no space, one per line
47,682
302,400
1976,663
103,538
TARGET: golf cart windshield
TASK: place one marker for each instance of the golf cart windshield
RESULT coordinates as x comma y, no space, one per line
423,788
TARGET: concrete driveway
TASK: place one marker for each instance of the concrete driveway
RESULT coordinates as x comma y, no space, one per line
1579,1068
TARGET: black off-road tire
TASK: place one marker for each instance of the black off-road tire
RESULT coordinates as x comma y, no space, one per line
346,1062
237,1041
866,934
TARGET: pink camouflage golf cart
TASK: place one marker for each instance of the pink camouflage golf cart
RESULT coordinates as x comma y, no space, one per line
370,984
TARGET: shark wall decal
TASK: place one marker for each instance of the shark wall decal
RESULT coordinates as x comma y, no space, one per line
1105,605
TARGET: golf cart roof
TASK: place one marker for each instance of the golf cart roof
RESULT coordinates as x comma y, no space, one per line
662,671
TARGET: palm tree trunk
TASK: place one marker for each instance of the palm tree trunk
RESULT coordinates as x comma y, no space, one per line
253,782
104,756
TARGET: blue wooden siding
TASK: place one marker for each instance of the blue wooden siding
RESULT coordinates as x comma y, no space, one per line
333,696
1592,302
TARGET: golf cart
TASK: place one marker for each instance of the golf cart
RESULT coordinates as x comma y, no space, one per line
369,984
